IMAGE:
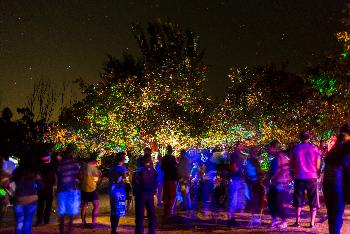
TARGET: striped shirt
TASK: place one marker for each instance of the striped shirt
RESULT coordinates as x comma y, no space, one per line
68,172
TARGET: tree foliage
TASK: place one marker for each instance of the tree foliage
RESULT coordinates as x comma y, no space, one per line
156,99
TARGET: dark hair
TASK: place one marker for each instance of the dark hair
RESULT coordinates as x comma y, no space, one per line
304,135
120,157
169,149
147,151
273,143
93,157
70,149
28,165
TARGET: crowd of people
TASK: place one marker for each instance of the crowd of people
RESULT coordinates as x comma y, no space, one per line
231,181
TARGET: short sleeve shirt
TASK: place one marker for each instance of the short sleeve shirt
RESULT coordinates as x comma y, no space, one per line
90,178
115,172
305,157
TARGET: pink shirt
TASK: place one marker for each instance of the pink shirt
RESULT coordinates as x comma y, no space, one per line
305,157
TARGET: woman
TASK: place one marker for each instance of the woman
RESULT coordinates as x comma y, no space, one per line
280,175
27,181
117,191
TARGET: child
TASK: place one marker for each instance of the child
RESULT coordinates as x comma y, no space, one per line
117,191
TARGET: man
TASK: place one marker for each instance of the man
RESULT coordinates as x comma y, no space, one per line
336,168
146,153
306,162
68,193
47,171
145,186
90,178
169,188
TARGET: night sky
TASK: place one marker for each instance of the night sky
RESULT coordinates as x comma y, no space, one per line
64,40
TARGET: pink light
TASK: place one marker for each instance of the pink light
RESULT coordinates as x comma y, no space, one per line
331,142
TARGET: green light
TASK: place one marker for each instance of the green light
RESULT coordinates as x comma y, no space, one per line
2,192
325,84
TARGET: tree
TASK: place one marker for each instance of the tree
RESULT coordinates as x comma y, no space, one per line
43,100
156,99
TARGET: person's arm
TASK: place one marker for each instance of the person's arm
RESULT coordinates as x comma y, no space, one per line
136,183
155,180
162,164
293,163
99,175
273,167
39,182
318,163
124,174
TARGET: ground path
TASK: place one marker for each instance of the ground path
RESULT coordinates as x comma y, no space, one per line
180,224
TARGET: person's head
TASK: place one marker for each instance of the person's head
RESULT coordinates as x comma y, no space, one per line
169,149
182,153
70,151
92,159
147,151
273,147
148,163
28,163
304,136
345,132
120,157
45,153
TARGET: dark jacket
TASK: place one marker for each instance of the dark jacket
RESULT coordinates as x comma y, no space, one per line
169,168
145,182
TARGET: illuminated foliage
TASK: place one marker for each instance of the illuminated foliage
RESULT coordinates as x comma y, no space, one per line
154,100
158,99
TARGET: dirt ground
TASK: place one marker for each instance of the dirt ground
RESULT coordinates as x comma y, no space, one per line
215,223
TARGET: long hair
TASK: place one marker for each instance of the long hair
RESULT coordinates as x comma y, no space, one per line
28,166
